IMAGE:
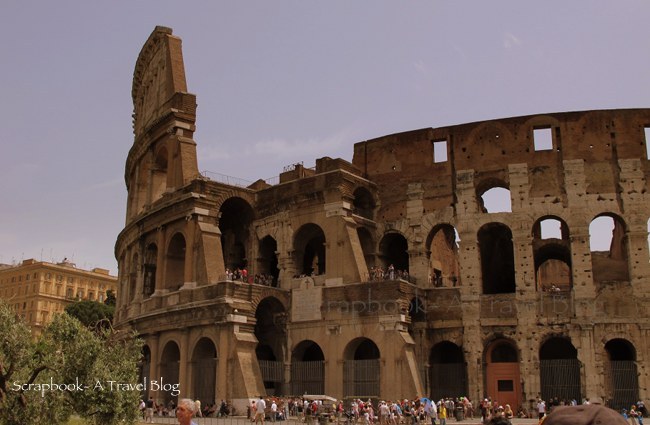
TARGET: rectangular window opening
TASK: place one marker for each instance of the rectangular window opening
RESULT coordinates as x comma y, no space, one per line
505,385
439,151
543,139
646,130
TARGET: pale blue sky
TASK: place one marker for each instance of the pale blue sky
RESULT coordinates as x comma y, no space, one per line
278,82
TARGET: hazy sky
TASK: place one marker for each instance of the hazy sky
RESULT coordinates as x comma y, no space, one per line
278,82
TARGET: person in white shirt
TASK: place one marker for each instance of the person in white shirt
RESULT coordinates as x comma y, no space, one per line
274,411
260,408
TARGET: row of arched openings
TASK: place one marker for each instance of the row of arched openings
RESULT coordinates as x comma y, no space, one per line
551,246
560,370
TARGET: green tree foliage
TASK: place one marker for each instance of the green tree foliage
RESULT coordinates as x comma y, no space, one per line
89,364
91,313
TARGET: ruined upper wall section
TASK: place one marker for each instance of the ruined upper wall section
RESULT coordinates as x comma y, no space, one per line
159,75
599,139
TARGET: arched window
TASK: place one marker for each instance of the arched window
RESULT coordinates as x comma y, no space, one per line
497,259
552,253
175,270
608,247
309,244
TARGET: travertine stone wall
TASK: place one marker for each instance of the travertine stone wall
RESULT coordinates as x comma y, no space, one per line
321,232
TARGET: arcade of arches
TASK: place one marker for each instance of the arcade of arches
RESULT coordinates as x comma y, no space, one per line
390,275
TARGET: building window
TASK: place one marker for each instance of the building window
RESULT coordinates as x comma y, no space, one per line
543,139
27,276
439,151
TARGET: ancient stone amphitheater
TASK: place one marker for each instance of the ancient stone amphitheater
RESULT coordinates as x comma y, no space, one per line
394,275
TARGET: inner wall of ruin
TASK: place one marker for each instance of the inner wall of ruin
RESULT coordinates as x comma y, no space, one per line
390,276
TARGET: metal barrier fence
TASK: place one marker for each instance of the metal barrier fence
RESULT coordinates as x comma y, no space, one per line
623,382
361,378
560,378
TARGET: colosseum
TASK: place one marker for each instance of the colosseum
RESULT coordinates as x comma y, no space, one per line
390,276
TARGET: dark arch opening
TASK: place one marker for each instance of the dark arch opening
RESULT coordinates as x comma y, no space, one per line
307,369
504,352
175,270
204,371
361,369
169,370
364,203
621,374
234,223
270,330
309,244
268,262
448,371
393,249
559,370
497,259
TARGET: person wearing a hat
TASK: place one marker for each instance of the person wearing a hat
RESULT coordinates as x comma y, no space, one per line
591,414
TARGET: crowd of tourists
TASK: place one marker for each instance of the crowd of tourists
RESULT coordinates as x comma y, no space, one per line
390,273
418,411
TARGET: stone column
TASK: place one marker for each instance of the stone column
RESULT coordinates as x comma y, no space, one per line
190,250
154,367
184,365
586,353
160,260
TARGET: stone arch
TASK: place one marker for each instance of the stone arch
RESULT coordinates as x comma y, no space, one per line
497,258
363,203
267,272
442,248
204,371
393,250
493,196
271,334
621,374
502,374
559,369
609,264
447,371
309,250
169,370
175,262
159,168
361,369
150,269
235,221
552,254
307,368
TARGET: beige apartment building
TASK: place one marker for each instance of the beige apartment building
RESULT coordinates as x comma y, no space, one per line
390,276
38,289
